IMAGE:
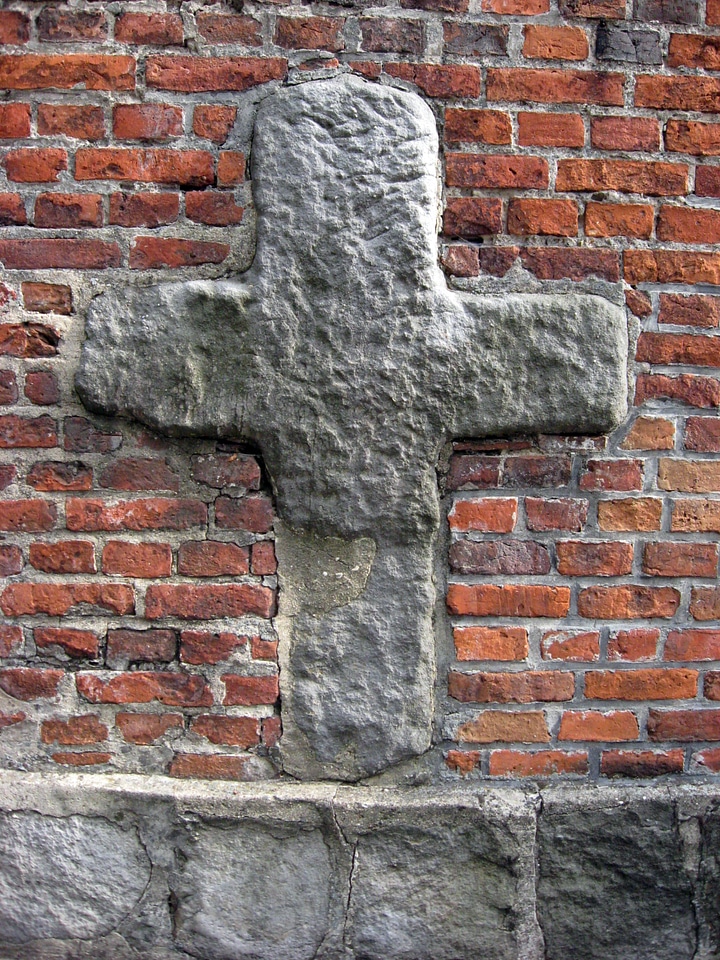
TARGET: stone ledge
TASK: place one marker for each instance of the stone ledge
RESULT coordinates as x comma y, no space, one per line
124,867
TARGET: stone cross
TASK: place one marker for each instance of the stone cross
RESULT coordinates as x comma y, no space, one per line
344,355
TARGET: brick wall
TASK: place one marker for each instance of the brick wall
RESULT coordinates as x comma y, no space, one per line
579,143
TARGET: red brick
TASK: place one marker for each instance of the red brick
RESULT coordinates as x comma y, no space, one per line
555,86
221,28
249,691
516,8
702,434
209,558
8,472
551,130
253,513
712,15
32,165
692,136
135,473
43,298
533,471
688,224
392,36
625,133
56,254
75,643
554,218
82,437
309,33
59,476
496,726
472,217
28,340
460,260
189,168
493,171
566,645
67,556
692,645
516,600
146,560
85,759
8,387
689,476
271,731
628,602
26,683
651,178
619,220
684,725
696,516
687,388
14,27
10,719
146,728
708,759
680,559
366,68
496,261
68,210
147,121
557,263
476,126
41,387
213,122
638,303
11,562
543,763
263,562
189,74
488,516
472,472
625,763
156,29
663,684
579,558
156,253
456,80
12,210
213,207
695,310
612,475
14,120
705,603
199,646
68,120
712,685
149,514
707,181
499,557
232,731
140,646
172,689
209,602
10,639
59,599
210,767
559,514
678,93
686,50
462,761
32,71
227,470
66,26
633,645
263,649
27,516
144,209
230,168
592,725
555,43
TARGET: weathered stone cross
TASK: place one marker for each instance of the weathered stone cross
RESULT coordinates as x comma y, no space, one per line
345,356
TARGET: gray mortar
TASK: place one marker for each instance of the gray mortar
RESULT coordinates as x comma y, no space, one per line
343,354
147,868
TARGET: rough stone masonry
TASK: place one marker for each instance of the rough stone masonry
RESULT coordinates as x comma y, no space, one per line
342,353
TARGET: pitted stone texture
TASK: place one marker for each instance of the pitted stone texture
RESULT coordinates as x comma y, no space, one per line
441,878
613,878
345,357
67,878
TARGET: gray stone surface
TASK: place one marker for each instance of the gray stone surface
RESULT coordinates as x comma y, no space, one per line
67,877
345,357
613,878
624,44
